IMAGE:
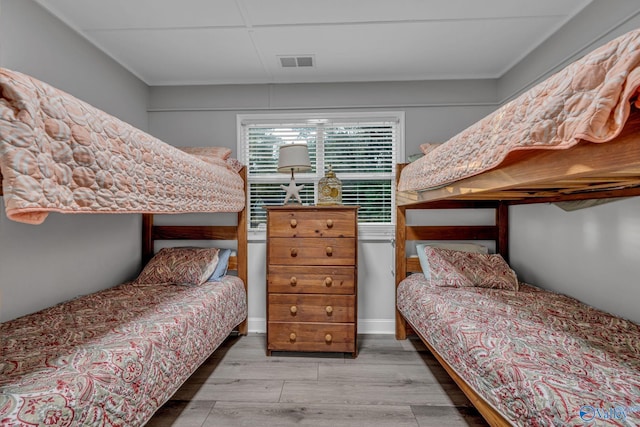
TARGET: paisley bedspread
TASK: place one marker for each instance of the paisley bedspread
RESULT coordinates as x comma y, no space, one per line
539,358
112,358
60,154
590,100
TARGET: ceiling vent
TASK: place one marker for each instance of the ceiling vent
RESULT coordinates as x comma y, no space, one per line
302,61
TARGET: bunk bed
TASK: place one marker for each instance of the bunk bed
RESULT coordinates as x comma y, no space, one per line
115,356
523,355
60,154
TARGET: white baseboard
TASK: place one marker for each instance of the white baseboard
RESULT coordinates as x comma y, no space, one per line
365,326
257,325
376,326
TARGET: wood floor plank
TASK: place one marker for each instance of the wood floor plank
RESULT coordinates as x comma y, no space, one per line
286,415
381,373
266,371
413,344
237,354
386,356
447,416
378,393
253,348
235,390
182,412
290,356
377,342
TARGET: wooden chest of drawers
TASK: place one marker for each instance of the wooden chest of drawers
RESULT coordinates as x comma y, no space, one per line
312,278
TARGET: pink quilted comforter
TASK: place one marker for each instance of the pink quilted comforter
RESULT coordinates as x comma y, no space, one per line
590,100
113,357
59,154
539,358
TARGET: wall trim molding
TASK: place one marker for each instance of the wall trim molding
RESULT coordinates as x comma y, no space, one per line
334,107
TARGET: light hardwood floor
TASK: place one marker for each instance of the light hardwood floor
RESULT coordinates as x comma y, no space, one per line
390,383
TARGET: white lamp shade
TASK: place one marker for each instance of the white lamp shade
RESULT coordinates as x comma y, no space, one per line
293,157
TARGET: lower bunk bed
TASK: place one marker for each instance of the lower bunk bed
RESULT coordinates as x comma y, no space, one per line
533,357
112,358
524,356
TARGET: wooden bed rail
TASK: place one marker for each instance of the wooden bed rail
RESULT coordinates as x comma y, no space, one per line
586,171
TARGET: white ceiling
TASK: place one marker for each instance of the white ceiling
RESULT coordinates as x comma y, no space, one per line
175,42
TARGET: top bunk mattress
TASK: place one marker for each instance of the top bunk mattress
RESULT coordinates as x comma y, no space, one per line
60,154
590,100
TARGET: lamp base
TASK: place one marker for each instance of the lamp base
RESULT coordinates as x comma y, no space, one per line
293,191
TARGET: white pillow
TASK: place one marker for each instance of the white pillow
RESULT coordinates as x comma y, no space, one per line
463,247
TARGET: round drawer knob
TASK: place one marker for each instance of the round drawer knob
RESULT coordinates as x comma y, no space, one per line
329,250
329,223
293,309
329,309
293,281
294,251
293,223
292,336
328,338
328,281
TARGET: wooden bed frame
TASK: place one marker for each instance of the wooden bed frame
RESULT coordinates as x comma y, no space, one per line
586,171
238,232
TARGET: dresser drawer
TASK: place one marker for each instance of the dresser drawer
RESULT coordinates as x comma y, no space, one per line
312,308
311,280
312,223
312,251
311,337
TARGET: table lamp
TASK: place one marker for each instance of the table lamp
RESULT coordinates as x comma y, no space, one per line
294,158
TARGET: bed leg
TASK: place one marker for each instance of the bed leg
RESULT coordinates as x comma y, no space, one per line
243,328
401,265
401,327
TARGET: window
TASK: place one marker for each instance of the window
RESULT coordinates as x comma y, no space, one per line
362,150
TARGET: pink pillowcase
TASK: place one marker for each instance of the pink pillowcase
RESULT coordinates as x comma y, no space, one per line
468,269
208,153
427,147
234,164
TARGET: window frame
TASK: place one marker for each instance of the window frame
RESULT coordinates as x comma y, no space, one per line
366,231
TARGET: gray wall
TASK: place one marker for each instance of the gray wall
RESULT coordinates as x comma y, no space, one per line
206,115
591,254
68,255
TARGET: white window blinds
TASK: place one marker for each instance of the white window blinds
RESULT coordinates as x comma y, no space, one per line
361,149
